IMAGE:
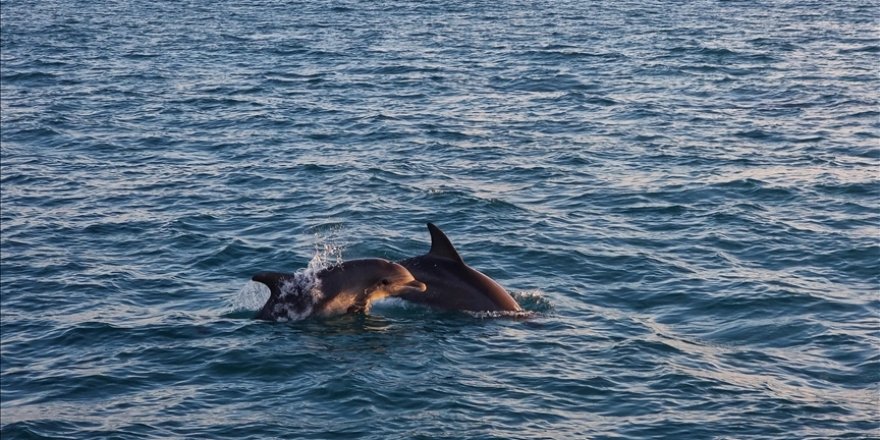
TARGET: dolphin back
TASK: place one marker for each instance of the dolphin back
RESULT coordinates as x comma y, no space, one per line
452,284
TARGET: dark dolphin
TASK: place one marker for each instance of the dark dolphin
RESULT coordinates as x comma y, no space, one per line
349,287
452,284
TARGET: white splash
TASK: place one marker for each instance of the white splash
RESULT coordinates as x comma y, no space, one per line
328,251
533,302
250,297
305,284
304,288
253,295
523,314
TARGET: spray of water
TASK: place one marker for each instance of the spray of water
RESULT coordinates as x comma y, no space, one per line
328,253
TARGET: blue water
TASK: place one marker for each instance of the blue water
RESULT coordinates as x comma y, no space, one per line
685,194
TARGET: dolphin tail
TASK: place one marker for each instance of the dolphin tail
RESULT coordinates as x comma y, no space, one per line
272,280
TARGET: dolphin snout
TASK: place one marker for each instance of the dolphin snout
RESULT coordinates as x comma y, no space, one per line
414,286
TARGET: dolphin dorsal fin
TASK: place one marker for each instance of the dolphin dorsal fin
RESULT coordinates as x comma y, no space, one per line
441,246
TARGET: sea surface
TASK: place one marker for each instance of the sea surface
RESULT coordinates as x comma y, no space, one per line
685,195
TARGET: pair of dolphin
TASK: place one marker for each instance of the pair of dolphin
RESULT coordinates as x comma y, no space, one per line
439,279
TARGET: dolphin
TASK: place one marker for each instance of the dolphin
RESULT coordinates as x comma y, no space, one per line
452,284
349,287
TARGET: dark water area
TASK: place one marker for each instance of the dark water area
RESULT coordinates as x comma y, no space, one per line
685,194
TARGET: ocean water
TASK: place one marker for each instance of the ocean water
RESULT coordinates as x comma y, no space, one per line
685,194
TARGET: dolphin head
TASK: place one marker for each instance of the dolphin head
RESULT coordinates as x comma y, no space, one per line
396,280
371,279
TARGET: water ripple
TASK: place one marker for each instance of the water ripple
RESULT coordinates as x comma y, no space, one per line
683,198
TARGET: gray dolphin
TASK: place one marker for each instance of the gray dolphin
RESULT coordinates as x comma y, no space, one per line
349,287
452,284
